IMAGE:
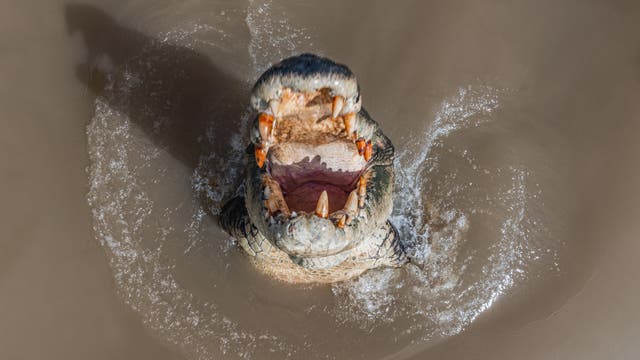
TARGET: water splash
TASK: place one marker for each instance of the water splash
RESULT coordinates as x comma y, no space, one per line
134,229
434,211
469,108
130,178
142,204
273,38
217,176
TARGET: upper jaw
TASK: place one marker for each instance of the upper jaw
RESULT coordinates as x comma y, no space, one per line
264,97
306,73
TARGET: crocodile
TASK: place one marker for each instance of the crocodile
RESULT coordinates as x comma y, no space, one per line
318,191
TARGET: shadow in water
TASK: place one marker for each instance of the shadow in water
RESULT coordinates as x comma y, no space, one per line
171,92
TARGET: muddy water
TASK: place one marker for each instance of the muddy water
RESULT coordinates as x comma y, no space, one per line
516,131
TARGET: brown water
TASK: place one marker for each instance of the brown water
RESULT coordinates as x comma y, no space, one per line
516,128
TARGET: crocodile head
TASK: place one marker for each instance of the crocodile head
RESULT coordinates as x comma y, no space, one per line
320,175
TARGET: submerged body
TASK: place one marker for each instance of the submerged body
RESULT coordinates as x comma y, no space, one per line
319,185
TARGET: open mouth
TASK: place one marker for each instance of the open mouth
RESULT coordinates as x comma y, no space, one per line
318,190
315,161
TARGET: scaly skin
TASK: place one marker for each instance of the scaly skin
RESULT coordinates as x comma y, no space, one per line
308,248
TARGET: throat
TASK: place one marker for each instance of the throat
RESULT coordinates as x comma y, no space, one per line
305,197
302,183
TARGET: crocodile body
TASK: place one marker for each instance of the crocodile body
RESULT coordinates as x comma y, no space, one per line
311,137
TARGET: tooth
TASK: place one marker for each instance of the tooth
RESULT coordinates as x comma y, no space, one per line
362,191
274,105
261,155
342,221
351,206
338,103
349,120
275,202
276,205
368,150
265,125
360,144
322,209
362,186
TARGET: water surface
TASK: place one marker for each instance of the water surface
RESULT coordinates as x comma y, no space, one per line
514,127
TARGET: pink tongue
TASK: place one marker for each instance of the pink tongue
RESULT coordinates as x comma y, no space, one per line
305,197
